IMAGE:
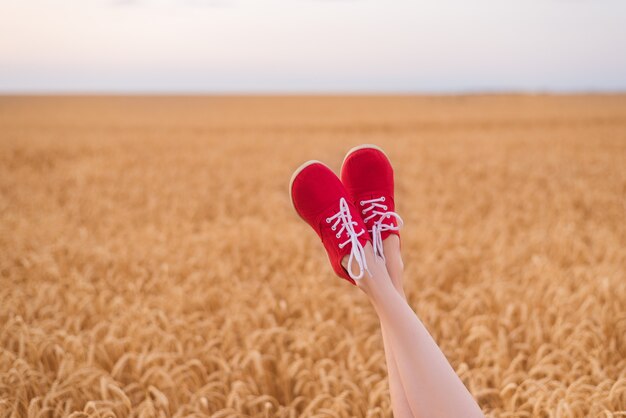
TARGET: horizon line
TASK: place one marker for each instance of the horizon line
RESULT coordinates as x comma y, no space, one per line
252,93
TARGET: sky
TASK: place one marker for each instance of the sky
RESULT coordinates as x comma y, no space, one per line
311,46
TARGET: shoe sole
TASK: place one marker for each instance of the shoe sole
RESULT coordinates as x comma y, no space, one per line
298,171
360,147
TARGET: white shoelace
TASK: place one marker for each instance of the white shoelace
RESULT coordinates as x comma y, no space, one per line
378,208
343,218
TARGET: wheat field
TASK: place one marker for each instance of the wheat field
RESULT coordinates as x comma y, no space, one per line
152,266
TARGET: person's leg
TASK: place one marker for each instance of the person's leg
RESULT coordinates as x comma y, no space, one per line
395,267
399,400
431,386
399,403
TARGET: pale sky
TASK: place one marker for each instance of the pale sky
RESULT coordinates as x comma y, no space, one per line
317,46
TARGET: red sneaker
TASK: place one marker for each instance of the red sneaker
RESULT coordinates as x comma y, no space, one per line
321,200
368,176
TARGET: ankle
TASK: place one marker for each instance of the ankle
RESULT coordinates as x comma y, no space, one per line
393,262
377,283
395,270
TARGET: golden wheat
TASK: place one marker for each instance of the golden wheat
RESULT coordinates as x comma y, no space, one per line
152,266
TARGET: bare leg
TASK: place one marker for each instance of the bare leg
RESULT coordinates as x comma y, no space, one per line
395,268
431,386
399,403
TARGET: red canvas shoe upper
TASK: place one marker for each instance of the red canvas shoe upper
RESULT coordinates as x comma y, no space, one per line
368,177
321,200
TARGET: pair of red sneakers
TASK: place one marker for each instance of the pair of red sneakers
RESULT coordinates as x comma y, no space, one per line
348,213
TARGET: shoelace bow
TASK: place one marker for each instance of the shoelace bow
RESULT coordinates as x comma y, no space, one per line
357,252
378,208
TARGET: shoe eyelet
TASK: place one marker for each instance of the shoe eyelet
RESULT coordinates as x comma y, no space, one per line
327,220
362,203
385,206
382,198
338,235
340,246
334,228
